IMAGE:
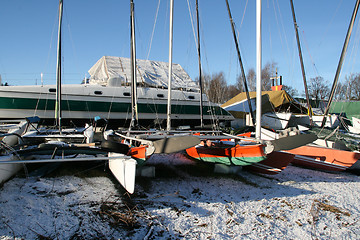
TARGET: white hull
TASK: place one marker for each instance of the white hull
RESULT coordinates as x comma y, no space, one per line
275,121
355,128
332,121
85,101
8,170
124,170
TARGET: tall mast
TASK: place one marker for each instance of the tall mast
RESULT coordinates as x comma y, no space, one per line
134,110
170,65
241,64
348,34
258,70
301,61
199,56
58,72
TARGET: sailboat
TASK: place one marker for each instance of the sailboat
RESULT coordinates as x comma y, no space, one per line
46,134
251,153
107,94
133,143
329,158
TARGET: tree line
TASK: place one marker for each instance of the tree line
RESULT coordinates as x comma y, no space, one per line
219,91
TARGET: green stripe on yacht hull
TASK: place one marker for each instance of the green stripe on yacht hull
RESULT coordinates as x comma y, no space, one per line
100,106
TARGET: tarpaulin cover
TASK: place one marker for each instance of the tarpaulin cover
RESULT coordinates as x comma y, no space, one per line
116,71
349,108
270,101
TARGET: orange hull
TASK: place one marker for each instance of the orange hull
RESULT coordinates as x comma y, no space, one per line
240,155
324,158
139,153
273,164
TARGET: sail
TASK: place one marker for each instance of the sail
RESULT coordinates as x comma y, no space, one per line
116,71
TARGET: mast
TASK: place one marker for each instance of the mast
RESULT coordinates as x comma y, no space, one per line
301,61
348,34
241,64
170,65
58,72
134,110
258,70
200,75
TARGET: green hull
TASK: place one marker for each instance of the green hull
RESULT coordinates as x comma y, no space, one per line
246,161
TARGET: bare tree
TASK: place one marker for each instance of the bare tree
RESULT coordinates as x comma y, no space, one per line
251,79
346,87
232,91
240,84
290,90
353,87
341,91
267,72
206,83
215,87
217,90
318,88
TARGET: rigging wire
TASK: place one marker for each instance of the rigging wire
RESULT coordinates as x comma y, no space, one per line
330,23
153,31
239,43
281,24
51,41
243,16
192,22
352,60
72,42
270,37
309,53
354,50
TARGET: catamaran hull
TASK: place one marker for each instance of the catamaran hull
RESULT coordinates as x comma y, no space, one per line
274,164
239,155
84,102
323,158
7,170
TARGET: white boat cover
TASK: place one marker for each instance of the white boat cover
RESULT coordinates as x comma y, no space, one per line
116,71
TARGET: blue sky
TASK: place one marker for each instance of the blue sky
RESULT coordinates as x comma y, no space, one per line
92,29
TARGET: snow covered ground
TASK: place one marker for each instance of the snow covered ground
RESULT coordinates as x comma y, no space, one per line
185,200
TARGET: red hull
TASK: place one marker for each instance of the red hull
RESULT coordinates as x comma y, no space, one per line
328,159
273,164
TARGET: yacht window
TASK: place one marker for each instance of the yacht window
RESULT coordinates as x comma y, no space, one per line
98,92
52,89
160,95
127,94
191,97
